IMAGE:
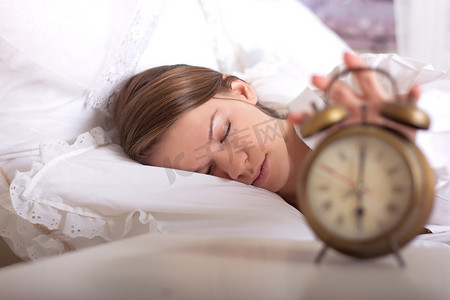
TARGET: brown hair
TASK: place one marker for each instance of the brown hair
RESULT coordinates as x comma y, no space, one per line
150,102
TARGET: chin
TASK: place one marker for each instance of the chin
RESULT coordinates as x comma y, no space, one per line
276,185
281,181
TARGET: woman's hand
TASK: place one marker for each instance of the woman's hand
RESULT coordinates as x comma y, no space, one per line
372,94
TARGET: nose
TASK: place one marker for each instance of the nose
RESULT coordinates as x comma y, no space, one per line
230,165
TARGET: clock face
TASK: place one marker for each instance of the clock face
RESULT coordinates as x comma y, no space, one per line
359,187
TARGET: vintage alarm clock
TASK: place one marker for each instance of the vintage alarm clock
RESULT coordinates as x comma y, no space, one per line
367,189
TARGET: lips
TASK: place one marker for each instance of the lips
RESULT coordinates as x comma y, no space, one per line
261,174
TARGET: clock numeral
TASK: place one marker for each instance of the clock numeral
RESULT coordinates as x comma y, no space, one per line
398,189
391,171
342,155
340,220
326,206
359,217
359,211
392,207
323,187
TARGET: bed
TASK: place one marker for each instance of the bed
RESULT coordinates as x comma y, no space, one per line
88,222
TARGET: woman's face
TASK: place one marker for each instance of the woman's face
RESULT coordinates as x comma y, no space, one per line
229,137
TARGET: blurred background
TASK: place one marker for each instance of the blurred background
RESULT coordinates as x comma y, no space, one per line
413,28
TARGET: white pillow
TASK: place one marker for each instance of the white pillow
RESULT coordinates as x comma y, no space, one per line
79,191
37,104
92,190
59,62
52,55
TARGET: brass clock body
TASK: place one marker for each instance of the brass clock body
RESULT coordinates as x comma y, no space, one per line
365,190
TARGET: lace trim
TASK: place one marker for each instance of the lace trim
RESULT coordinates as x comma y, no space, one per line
34,229
131,48
16,231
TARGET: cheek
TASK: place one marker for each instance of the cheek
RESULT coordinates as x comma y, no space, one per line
280,167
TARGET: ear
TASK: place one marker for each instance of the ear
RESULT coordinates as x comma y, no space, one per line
244,91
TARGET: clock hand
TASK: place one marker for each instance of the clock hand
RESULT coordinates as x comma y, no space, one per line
360,186
344,179
338,175
362,162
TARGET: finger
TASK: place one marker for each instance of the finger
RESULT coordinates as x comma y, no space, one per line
340,92
353,61
321,82
367,80
297,117
343,94
414,94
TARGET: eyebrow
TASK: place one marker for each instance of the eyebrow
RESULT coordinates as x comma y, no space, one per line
211,126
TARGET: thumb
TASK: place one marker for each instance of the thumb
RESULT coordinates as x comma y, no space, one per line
297,117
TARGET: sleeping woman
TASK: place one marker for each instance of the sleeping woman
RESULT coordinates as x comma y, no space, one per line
197,119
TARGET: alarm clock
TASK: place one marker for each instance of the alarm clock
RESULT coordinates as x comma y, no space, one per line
367,189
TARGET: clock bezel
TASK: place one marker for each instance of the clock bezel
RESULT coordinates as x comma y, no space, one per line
408,226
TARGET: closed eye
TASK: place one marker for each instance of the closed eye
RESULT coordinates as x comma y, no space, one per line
226,133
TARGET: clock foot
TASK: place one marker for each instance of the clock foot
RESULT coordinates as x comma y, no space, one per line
392,244
321,254
395,251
